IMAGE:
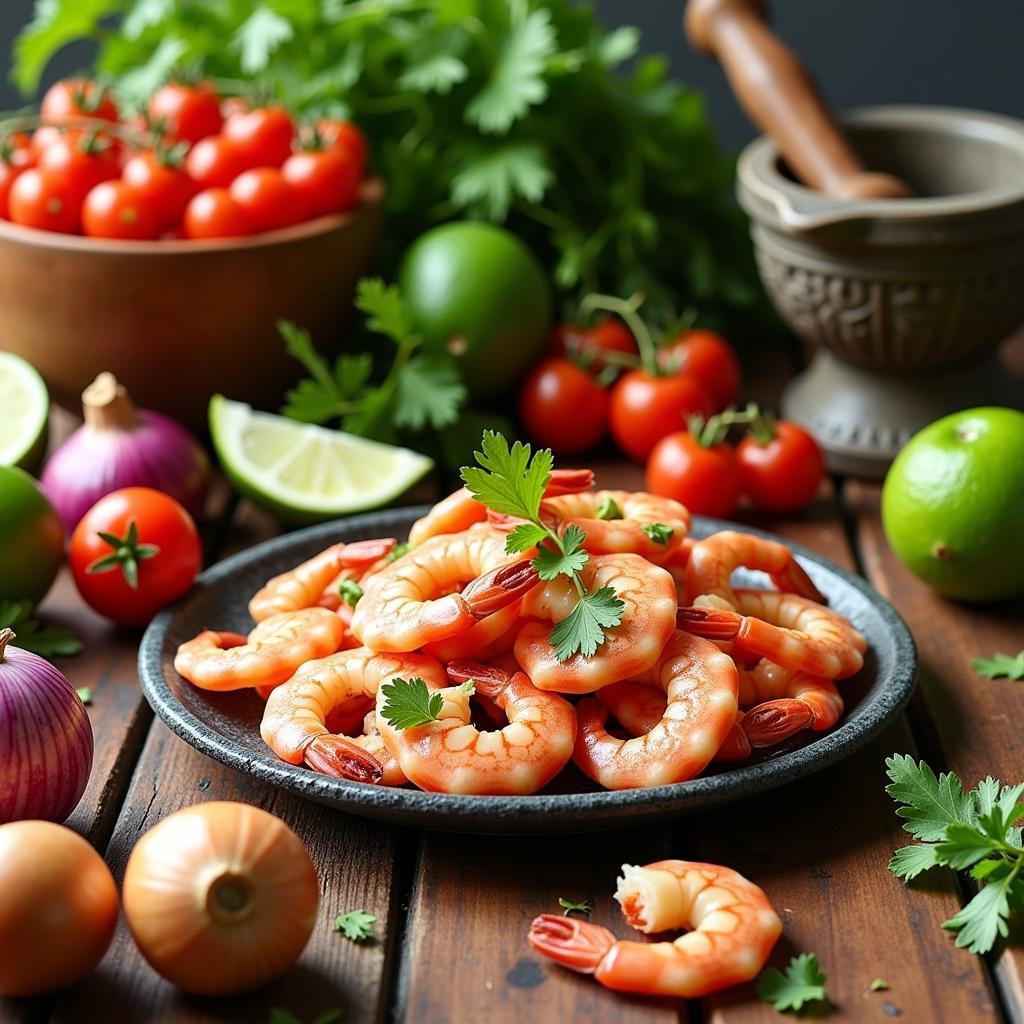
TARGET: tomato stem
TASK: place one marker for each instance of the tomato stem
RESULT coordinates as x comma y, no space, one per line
711,431
627,310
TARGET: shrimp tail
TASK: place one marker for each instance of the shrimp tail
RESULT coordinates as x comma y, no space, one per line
776,720
569,481
343,759
363,553
710,623
794,580
500,587
489,679
736,746
579,945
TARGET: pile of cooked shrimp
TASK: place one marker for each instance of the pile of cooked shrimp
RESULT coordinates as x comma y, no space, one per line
696,670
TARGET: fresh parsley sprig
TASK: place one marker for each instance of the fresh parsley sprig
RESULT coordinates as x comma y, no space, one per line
1000,666
356,925
409,702
512,481
803,982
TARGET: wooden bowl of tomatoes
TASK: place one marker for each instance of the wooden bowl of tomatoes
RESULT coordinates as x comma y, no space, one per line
167,252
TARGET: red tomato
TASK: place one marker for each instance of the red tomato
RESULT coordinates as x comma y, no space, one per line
80,160
159,548
215,162
164,186
39,199
185,113
76,97
16,150
42,137
215,213
15,157
588,342
8,172
705,480
710,359
326,180
113,209
233,105
270,201
562,407
784,473
342,135
644,409
264,135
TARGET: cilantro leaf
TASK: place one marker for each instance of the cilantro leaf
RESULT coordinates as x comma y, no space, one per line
879,985
551,564
385,310
350,592
658,532
327,394
507,479
569,907
963,846
609,509
409,703
985,917
46,641
259,36
909,861
523,537
492,178
356,925
1000,666
429,390
84,695
931,803
435,62
803,982
583,630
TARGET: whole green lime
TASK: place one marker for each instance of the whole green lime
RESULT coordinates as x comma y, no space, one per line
477,292
953,504
31,537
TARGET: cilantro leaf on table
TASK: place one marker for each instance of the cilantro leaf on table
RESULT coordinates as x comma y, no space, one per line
930,803
356,925
583,630
879,985
1000,666
84,694
985,917
551,564
46,641
803,982
410,703
429,391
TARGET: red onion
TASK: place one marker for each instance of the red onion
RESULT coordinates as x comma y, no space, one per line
121,446
45,738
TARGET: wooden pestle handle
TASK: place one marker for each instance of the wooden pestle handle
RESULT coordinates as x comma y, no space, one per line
775,90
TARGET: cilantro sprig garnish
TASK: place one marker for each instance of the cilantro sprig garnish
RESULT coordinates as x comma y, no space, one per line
962,830
409,702
350,592
1000,666
803,982
46,641
356,925
512,481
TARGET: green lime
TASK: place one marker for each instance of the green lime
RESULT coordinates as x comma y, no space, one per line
477,292
24,425
953,504
304,473
31,537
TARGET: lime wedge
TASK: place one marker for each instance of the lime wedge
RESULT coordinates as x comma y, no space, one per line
304,473
24,414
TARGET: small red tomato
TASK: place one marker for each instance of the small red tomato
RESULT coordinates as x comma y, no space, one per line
162,183
263,135
215,213
344,136
113,209
215,162
39,199
326,180
16,150
588,343
43,137
781,472
644,409
76,97
185,113
270,201
705,480
154,562
233,105
710,359
8,172
14,159
81,161
562,407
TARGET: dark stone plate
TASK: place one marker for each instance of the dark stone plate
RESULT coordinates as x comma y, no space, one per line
226,726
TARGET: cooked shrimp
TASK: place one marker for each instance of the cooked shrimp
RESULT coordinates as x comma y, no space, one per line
676,563
783,701
702,688
732,931
370,740
787,630
489,637
712,561
633,646
452,756
267,657
294,722
303,586
410,603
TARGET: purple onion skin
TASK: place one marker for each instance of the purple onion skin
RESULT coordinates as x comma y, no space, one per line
157,453
45,740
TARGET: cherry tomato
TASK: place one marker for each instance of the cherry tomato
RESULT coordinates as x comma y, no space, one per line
705,480
40,199
8,172
76,97
344,136
159,552
784,473
162,184
81,160
42,137
589,342
13,160
234,105
710,359
114,209
270,201
215,213
216,161
644,409
185,113
264,135
16,150
562,407
326,180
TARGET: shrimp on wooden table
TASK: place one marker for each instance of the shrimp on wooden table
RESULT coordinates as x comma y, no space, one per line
701,686
451,755
783,701
267,657
732,929
647,623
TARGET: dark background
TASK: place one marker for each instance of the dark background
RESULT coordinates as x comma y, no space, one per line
960,52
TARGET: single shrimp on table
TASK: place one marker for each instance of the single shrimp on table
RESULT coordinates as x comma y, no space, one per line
410,603
451,755
781,702
647,622
732,930
702,687
267,657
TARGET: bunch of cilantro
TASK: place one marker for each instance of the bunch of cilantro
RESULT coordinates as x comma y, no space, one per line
508,110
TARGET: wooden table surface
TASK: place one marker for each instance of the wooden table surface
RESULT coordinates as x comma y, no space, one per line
453,910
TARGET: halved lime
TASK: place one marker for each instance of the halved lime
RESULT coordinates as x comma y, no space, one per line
24,413
304,473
